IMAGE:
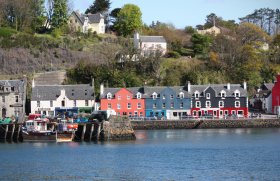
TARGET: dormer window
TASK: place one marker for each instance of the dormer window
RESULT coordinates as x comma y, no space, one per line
223,94
196,94
138,95
207,95
181,95
237,94
109,96
154,95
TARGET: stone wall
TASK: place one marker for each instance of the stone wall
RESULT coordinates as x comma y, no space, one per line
118,128
206,124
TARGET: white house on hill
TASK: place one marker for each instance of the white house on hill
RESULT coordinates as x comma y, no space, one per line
150,44
87,22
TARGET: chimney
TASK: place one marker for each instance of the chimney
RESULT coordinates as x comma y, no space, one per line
189,86
228,86
33,83
245,85
136,40
101,88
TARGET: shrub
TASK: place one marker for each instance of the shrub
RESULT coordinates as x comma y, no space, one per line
172,54
7,32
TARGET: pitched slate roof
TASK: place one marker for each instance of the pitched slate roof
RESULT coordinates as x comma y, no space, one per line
17,84
113,91
159,39
219,87
51,92
92,18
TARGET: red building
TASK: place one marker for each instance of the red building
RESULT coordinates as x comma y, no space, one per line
276,96
124,101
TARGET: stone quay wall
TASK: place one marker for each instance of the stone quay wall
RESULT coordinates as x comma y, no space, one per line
206,124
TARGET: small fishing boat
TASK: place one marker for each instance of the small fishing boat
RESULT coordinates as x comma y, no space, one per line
65,131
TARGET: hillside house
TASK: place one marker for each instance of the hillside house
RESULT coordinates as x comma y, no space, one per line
87,22
262,100
149,45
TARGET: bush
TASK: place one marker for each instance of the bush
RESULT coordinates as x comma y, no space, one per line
172,54
7,32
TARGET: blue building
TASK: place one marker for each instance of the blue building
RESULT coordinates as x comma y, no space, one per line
167,102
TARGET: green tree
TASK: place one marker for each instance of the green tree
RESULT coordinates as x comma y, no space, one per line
201,44
60,13
129,19
99,6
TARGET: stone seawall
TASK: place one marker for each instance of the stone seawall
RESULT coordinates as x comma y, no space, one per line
118,128
206,124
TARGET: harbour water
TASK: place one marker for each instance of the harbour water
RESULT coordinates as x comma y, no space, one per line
210,154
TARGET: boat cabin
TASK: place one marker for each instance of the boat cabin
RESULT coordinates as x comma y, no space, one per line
36,125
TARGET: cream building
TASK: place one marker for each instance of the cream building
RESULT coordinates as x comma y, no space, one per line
87,22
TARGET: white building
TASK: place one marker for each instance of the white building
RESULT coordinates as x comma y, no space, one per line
87,22
150,44
57,100
262,100
12,99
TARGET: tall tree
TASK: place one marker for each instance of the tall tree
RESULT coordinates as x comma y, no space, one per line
60,13
99,6
129,19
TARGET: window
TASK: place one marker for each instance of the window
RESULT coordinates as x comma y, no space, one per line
16,111
72,93
51,103
86,102
154,95
109,105
135,113
221,113
233,112
181,105
197,104
237,103
154,105
118,106
139,105
240,112
130,114
172,105
85,92
75,103
63,103
16,98
208,104
109,96
128,97
38,103
163,96
3,99
141,114
128,105
163,105
207,95
237,94
194,113
175,114
223,94
119,97
181,95
196,94
171,96
221,103
138,95
226,112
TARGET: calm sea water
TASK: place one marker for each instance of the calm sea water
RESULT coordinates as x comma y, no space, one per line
214,154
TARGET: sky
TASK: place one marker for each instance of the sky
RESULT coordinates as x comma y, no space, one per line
182,13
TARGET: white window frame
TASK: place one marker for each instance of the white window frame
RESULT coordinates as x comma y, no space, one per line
197,104
154,105
154,96
237,106
118,106
208,104
109,106
171,96
208,95
223,94
139,106
119,97
163,96
163,105
181,105
109,96
196,94
172,105
181,95
138,95
128,105
128,97
237,94
223,104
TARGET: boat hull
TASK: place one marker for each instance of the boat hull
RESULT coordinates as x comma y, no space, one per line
37,136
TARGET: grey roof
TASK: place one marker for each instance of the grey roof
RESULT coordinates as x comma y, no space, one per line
159,39
269,86
17,84
73,92
219,87
113,91
93,18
